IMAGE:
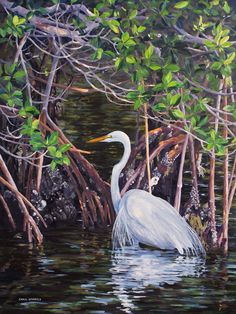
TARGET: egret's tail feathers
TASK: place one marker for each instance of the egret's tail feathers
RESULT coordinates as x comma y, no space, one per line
121,235
186,240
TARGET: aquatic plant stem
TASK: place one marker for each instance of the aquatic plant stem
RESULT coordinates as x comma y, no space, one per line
211,201
8,212
194,173
232,194
44,114
147,148
225,226
29,224
180,176
232,181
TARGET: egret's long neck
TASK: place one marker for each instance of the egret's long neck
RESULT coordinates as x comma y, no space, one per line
115,189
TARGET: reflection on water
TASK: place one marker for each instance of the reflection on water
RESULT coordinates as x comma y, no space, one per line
134,269
76,272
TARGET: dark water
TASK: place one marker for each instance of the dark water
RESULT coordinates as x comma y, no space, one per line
91,117
76,272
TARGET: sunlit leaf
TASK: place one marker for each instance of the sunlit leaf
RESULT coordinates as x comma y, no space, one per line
175,99
177,113
149,52
181,5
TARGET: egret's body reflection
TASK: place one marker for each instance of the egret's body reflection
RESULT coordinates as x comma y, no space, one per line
134,269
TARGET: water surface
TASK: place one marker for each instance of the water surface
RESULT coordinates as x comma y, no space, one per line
75,271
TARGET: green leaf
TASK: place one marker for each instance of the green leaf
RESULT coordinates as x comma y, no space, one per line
129,43
224,40
12,68
31,109
173,84
15,20
66,160
8,87
227,44
35,124
133,14
19,75
28,110
99,53
177,113
226,7
109,53
53,138
216,65
22,113
172,68
234,114
134,29
229,108
132,95
21,21
175,99
52,150
17,93
53,165
210,44
141,29
155,67
230,58
37,146
96,12
6,69
158,87
210,146
118,63
226,70
213,134
149,52
193,122
141,89
181,5
58,154
203,121
137,104
159,107
114,28
64,148
167,78
11,102
130,59
200,132
3,32
125,37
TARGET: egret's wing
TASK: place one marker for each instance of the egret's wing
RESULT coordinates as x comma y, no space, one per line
150,220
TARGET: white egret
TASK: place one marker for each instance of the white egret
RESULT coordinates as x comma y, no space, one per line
144,218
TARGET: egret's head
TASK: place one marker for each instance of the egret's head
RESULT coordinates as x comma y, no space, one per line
116,136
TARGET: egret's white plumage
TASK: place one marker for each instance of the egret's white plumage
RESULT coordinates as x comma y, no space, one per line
144,218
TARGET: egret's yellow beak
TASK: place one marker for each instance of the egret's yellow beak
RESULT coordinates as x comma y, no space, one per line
99,139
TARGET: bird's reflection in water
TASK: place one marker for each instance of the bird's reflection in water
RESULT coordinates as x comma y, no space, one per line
134,269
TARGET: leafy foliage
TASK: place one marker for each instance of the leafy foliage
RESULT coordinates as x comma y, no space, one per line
11,79
154,44
159,61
